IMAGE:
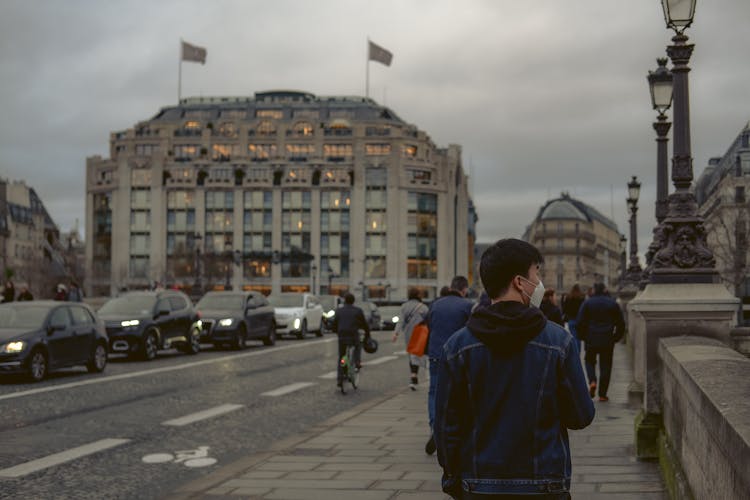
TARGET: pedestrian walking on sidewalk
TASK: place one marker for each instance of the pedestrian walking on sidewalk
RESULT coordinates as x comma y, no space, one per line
549,307
570,307
413,312
446,315
600,325
349,320
509,386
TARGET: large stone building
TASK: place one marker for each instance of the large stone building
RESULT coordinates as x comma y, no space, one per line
283,191
30,251
723,195
578,243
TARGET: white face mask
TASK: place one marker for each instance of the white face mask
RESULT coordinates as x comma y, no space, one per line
535,299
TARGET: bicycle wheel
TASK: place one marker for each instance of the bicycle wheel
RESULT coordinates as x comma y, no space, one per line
353,371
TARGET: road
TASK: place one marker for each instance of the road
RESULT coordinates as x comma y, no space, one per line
78,435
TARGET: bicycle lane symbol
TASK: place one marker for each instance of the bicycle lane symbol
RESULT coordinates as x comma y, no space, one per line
190,458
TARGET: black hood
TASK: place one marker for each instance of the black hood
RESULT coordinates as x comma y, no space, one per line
506,327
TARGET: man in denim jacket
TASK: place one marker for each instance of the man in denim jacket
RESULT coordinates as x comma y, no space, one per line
510,385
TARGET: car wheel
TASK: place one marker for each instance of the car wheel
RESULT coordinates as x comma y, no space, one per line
319,331
270,338
303,330
37,365
98,360
193,345
238,342
149,346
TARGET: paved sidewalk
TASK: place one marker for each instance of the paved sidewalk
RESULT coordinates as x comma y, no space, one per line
376,451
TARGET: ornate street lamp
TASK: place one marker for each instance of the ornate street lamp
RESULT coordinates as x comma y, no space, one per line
682,256
634,191
660,85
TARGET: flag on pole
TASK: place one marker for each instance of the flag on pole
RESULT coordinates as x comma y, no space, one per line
193,53
379,54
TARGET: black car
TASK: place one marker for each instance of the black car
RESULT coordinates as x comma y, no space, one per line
141,323
389,316
234,317
40,336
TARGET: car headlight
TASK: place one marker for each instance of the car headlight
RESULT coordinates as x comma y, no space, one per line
297,322
330,314
130,323
226,322
394,319
13,347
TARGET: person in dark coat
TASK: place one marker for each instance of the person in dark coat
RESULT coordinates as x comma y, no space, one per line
446,315
600,324
549,307
349,320
570,307
25,294
9,293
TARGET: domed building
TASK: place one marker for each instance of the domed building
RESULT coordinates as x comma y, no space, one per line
579,244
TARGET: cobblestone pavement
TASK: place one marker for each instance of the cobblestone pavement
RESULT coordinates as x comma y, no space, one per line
376,451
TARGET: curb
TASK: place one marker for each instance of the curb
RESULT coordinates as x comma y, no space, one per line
196,488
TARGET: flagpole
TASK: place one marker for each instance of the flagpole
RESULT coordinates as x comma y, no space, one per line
179,75
367,70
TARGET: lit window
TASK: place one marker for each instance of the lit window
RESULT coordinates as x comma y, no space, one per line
262,151
418,175
303,129
228,129
377,149
192,125
275,114
265,128
408,151
338,150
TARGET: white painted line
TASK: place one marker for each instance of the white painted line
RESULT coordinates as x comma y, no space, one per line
288,388
99,380
378,361
329,375
202,415
62,457
399,353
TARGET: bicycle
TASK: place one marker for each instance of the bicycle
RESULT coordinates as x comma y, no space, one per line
349,371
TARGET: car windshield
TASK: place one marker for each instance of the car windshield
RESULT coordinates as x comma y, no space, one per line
328,302
224,301
31,317
135,305
286,300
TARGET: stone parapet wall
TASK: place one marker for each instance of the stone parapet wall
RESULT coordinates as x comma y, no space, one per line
706,416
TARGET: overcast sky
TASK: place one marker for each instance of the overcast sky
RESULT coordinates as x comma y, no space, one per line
543,96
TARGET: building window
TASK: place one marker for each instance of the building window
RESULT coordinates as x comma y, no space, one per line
303,129
258,229
140,199
274,114
140,220
186,151
300,151
377,149
261,152
422,235
140,177
224,152
146,149
139,267
419,175
739,194
334,232
408,151
228,129
295,233
337,151
265,128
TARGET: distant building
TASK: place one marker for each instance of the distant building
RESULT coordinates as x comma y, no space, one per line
578,243
283,191
29,240
723,195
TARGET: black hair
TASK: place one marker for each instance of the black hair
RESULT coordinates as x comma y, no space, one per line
459,283
505,260
415,294
349,298
599,288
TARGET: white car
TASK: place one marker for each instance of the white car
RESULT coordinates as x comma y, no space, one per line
297,313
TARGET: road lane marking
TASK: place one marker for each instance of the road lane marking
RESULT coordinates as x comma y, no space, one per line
202,415
62,457
329,375
288,388
378,361
124,376
399,353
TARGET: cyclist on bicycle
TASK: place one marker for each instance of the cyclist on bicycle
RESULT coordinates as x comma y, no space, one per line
347,323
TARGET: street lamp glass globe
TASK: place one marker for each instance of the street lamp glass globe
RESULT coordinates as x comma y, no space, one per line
678,14
634,189
660,85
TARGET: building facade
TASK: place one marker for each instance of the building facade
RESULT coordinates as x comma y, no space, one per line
578,243
723,195
29,240
282,191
